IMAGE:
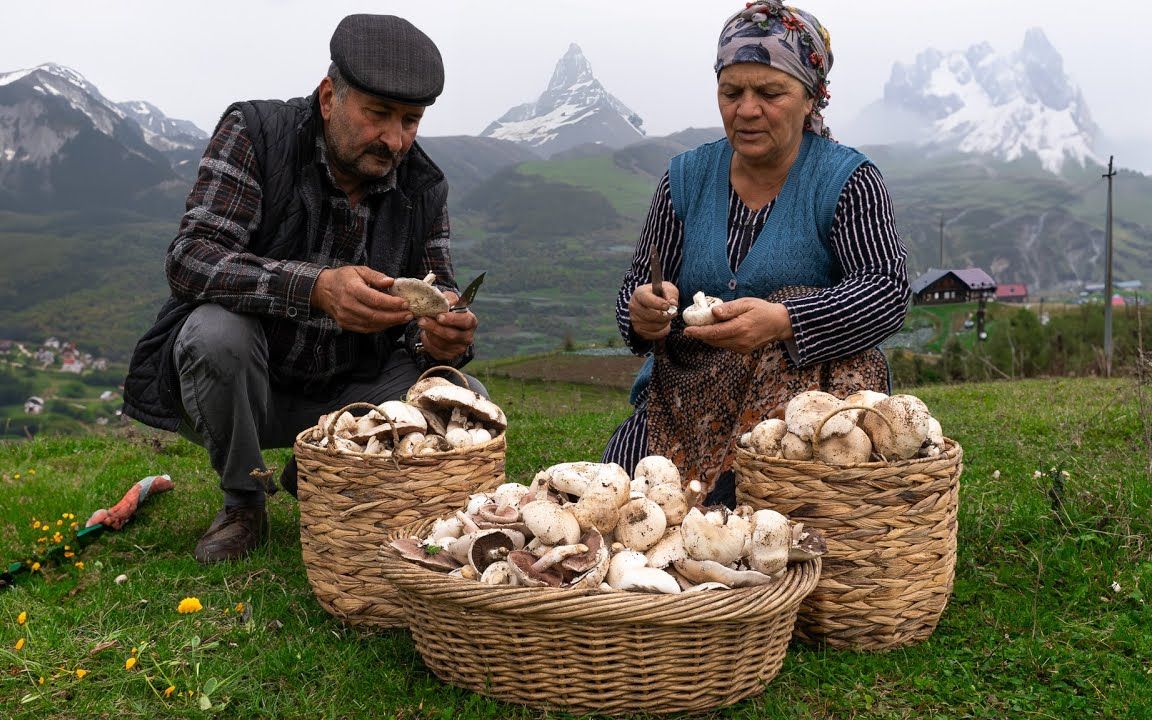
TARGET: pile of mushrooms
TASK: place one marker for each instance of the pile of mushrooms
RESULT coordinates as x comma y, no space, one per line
865,426
589,526
436,416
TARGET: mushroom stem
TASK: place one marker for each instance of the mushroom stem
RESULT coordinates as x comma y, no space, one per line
469,525
557,554
694,493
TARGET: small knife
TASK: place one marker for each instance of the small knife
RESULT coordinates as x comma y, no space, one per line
469,294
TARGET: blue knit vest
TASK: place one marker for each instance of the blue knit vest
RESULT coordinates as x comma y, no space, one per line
793,247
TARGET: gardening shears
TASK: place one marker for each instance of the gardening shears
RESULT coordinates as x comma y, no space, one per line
469,294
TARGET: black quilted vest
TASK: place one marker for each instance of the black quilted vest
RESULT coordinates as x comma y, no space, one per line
283,134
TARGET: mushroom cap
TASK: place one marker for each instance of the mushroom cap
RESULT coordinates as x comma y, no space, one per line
642,524
793,448
906,430
596,510
765,437
404,417
628,570
805,411
453,396
654,470
702,571
523,562
424,299
668,549
412,549
770,542
852,448
723,542
423,384
550,523
487,547
806,544
499,573
672,500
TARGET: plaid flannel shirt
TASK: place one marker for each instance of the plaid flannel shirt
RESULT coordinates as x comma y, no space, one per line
209,261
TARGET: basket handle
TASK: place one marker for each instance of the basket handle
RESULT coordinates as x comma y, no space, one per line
330,431
820,425
439,368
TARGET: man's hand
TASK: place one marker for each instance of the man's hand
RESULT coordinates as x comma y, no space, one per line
744,325
448,335
353,296
651,315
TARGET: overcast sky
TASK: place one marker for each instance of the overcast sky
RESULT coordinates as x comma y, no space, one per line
191,59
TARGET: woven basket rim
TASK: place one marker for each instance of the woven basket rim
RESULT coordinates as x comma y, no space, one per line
594,606
952,453
303,444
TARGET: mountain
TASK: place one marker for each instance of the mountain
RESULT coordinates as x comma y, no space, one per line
575,110
63,146
1012,106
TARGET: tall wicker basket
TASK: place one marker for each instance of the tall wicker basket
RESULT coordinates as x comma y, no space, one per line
349,501
599,652
891,532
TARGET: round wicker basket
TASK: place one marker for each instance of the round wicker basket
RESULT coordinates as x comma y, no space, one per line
891,533
601,652
349,501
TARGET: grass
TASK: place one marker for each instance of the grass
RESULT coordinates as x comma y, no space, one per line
1048,619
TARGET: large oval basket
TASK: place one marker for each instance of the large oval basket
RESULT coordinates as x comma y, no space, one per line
891,532
349,501
602,652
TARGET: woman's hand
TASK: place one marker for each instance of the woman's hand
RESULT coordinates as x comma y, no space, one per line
744,325
651,315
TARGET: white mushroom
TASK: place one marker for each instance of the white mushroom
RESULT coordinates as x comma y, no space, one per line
668,549
704,571
596,509
628,570
672,500
807,410
851,448
906,429
765,437
446,397
793,448
550,523
770,543
642,524
499,573
654,470
509,493
700,311
718,535
424,299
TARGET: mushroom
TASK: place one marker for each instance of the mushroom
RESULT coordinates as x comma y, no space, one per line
719,535
597,509
628,570
499,573
765,437
486,547
654,470
704,571
806,544
770,542
793,448
672,500
597,570
898,427
446,397
509,493
668,549
642,524
700,311
524,567
407,445
807,410
852,448
424,299
412,549
550,523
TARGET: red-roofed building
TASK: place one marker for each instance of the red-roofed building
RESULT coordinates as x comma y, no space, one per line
1012,292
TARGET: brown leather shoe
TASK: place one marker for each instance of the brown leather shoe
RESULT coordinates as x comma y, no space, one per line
233,534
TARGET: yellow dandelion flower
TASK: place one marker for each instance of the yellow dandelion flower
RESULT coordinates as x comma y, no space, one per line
74,526
240,607
80,673
59,522
17,476
135,650
41,681
69,554
31,471
42,540
35,524
57,537
130,663
189,605
19,644
22,618
35,566
79,564
169,690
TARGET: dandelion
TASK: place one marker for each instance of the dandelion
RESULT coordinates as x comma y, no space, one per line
16,476
80,673
169,690
79,564
35,524
31,471
68,554
189,605
239,607
35,566
41,681
22,618
59,523
130,663
19,644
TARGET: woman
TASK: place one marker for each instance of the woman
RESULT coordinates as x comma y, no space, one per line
793,231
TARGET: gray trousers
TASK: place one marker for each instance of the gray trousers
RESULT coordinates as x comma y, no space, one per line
232,409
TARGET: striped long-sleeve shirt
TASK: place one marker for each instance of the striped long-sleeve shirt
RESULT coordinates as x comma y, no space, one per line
862,309
210,261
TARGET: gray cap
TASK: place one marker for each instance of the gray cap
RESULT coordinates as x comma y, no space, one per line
388,56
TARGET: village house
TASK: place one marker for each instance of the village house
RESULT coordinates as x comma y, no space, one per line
937,287
34,405
71,363
1012,292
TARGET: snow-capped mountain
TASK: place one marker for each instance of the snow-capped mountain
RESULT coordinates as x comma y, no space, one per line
63,144
976,101
575,110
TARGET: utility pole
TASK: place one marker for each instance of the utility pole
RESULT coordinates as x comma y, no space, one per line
1108,275
941,242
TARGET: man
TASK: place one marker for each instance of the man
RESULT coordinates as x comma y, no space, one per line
302,215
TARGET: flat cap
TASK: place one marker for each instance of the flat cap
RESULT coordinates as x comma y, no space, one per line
388,56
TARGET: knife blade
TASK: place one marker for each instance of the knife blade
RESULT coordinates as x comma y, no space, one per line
656,275
469,294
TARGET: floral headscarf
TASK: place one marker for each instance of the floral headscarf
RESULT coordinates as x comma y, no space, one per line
789,40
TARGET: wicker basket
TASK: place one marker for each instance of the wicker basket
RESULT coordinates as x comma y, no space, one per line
588,651
891,532
349,501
